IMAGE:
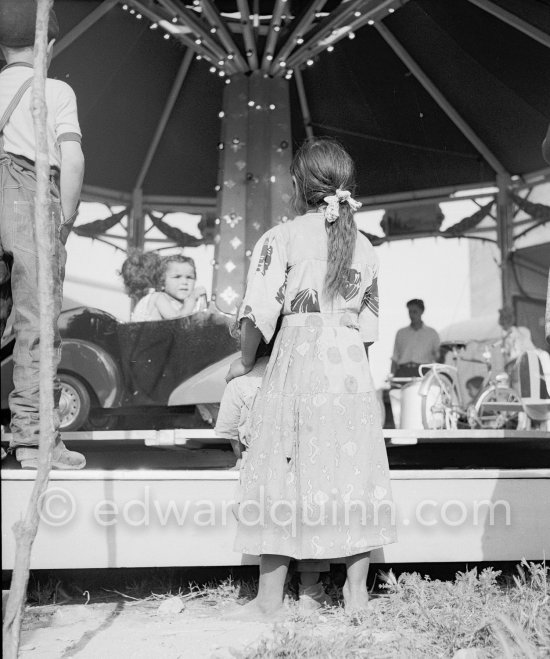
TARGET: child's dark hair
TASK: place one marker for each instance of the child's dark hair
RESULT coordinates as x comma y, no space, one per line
174,258
140,272
320,167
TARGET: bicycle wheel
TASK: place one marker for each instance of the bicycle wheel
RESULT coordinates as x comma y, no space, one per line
438,403
502,419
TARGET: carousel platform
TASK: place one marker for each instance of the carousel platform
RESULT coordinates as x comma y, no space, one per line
167,498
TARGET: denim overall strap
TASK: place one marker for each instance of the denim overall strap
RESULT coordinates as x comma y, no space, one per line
9,111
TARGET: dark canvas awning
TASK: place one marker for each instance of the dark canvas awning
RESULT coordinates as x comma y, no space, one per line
493,75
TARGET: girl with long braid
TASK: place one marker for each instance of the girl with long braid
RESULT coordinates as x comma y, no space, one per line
316,484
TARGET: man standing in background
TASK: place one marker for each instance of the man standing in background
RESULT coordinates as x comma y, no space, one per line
415,344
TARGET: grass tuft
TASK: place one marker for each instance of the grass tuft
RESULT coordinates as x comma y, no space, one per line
421,617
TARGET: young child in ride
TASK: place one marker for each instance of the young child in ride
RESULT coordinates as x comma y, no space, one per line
316,482
164,287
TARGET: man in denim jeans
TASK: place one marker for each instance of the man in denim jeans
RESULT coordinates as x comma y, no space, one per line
18,245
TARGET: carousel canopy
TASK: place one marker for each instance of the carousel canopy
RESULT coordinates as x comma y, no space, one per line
423,93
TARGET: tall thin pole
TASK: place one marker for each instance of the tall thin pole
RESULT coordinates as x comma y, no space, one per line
25,530
514,21
505,236
306,117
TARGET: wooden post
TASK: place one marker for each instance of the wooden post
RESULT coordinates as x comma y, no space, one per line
136,219
25,530
505,236
254,178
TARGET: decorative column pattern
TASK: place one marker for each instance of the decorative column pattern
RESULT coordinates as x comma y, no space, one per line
229,261
254,180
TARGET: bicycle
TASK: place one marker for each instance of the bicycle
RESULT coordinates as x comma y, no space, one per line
443,404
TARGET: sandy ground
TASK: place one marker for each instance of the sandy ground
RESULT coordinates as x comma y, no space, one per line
122,630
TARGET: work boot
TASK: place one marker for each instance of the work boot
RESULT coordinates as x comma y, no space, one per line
62,458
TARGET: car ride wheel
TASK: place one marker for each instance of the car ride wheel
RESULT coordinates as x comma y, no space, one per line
74,403
500,419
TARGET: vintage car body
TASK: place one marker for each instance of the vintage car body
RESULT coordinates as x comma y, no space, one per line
110,370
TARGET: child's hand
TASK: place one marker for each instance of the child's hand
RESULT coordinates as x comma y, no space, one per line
198,291
237,369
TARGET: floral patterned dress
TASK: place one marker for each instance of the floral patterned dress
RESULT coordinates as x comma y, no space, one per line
316,481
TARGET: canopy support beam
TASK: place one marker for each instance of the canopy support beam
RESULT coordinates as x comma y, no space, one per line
353,15
302,26
505,236
274,28
165,116
84,25
200,49
212,16
438,97
533,178
136,219
514,21
303,103
188,18
248,34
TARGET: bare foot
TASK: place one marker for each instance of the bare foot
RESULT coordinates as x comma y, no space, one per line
256,611
356,601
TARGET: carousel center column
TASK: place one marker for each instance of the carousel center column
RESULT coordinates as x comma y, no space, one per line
254,184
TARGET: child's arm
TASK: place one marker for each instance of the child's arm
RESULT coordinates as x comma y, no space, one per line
72,175
191,301
164,307
250,340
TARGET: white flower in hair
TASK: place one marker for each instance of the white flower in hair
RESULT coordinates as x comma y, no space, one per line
332,210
